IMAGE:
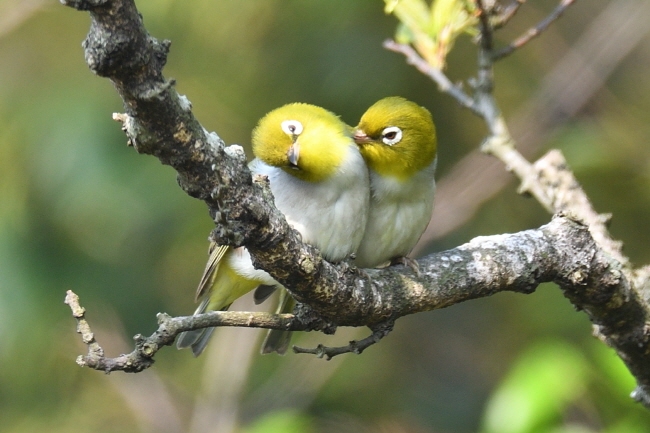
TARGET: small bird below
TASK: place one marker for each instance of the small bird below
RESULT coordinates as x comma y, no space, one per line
319,182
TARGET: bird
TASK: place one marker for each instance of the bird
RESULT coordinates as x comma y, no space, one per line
397,139
320,183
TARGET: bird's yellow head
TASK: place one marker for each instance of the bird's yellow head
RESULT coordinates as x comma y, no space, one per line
306,141
396,137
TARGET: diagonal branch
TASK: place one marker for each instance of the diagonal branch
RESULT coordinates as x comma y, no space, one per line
552,183
533,32
503,17
437,75
575,78
159,122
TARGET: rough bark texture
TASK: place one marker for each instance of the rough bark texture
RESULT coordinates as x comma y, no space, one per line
158,121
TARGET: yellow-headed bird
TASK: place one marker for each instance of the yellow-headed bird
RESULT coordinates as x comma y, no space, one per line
320,183
397,139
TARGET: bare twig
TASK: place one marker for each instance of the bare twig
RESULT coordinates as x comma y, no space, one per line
485,26
356,346
506,15
168,328
533,32
475,179
546,189
87,336
444,84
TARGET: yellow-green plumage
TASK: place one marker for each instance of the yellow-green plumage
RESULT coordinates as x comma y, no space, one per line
414,152
320,183
397,139
228,275
317,161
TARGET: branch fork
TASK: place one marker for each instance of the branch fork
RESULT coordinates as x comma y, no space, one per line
583,260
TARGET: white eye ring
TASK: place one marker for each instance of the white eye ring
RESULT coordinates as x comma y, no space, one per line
391,135
291,127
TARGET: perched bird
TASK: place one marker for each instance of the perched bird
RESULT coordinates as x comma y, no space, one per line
397,139
320,183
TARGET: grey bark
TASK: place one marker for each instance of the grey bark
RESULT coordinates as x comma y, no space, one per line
159,122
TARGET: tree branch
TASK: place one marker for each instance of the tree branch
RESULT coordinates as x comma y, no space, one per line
159,122
552,183
574,79
504,16
437,75
141,357
533,32
562,251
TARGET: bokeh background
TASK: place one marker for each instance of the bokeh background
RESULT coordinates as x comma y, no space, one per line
80,210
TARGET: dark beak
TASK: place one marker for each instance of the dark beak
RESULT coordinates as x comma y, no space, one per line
293,154
360,137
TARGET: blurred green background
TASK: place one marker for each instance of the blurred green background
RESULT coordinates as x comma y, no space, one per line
80,210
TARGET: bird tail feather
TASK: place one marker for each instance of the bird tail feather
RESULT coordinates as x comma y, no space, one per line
278,340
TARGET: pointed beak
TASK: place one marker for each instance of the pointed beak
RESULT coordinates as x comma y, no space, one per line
360,137
293,154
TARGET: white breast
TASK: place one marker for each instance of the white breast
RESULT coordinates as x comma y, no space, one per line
399,214
332,214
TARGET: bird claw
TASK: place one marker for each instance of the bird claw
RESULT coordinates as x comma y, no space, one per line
407,261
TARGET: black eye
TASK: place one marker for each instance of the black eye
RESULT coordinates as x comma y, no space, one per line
390,135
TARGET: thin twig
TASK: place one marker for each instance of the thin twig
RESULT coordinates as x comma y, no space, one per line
444,84
516,163
355,346
141,357
485,27
574,80
533,32
498,21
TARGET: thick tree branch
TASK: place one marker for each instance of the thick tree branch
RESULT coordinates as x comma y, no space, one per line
562,251
159,122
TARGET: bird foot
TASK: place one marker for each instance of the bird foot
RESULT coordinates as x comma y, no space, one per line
407,261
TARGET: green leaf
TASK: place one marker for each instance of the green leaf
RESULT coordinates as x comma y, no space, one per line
284,421
542,383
